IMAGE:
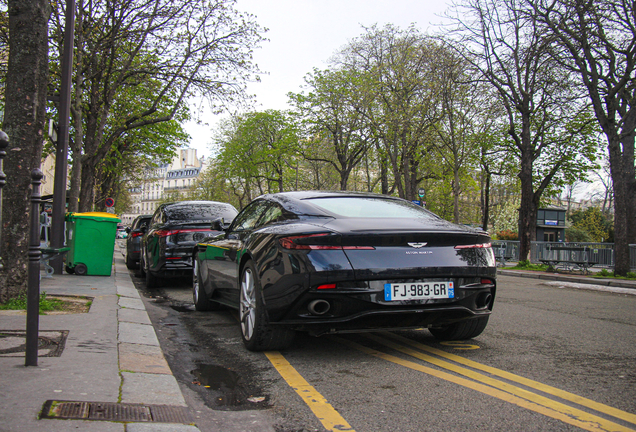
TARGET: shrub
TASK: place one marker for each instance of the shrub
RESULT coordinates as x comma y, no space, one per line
507,235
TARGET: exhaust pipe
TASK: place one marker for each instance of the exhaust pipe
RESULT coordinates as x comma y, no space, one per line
483,300
319,307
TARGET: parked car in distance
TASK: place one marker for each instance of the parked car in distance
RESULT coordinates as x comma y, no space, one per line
133,241
329,262
172,234
122,232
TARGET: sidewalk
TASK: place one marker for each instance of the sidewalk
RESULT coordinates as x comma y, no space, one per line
111,357
572,278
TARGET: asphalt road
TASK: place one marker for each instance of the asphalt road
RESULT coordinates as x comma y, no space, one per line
553,358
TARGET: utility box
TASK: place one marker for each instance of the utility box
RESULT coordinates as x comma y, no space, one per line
91,237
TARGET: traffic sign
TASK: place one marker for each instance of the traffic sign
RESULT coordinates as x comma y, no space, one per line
421,192
109,202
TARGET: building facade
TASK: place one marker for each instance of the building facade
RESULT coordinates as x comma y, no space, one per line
165,181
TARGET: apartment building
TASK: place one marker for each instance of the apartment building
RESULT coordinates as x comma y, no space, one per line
170,179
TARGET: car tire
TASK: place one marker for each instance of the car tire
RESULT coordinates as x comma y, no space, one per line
461,330
257,333
199,297
140,270
130,263
152,281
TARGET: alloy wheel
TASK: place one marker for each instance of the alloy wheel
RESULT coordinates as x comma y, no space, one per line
248,304
195,280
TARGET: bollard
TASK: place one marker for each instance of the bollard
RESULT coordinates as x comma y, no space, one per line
33,290
4,143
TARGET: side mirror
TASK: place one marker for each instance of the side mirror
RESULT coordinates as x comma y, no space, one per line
218,225
127,230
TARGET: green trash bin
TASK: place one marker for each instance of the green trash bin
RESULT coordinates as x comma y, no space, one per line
91,237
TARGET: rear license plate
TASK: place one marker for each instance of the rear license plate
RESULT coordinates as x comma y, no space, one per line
419,290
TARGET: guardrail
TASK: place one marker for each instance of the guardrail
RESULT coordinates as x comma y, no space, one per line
602,253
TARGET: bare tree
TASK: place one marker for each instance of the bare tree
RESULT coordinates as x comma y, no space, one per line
24,120
538,95
597,41
150,56
400,69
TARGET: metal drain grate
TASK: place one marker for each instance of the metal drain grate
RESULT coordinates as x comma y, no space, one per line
72,410
50,343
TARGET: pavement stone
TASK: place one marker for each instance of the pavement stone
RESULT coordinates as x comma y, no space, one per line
133,316
142,358
137,334
160,427
112,354
131,303
128,291
151,389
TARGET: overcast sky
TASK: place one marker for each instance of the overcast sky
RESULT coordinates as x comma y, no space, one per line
304,34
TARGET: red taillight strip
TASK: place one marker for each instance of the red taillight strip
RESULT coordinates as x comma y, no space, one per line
166,233
474,246
288,243
327,286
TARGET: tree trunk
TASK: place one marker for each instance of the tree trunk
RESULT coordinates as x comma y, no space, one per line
621,206
24,121
486,203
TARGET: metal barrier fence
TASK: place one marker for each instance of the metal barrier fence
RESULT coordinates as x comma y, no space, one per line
601,253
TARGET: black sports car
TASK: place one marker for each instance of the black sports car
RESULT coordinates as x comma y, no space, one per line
328,262
133,240
172,234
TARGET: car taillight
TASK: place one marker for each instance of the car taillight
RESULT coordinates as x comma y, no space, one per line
315,242
474,246
166,233
486,282
136,234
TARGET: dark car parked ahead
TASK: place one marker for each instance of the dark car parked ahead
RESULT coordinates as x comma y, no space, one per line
328,262
173,232
133,240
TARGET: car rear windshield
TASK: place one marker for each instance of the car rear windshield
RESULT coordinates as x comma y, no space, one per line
371,207
200,212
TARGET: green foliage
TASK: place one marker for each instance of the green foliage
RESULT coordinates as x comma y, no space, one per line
592,221
258,153
527,265
575,234
20,303
604,273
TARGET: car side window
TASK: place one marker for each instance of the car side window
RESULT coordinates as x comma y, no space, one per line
156,218
247,219
273,213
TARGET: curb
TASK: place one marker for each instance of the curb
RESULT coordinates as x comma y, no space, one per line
565,278
146,377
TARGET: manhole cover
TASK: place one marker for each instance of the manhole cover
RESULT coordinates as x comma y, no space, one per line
50,343
76,410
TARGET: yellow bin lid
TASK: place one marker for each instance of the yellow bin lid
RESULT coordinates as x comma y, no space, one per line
95,215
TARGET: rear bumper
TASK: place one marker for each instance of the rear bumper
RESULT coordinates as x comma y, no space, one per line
386,320
358,310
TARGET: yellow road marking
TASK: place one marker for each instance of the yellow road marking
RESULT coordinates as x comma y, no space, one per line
328,416
460,345
579,400
552,409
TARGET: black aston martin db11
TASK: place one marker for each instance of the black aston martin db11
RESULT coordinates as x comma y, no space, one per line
329,262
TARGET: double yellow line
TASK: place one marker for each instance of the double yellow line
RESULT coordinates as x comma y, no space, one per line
464,372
